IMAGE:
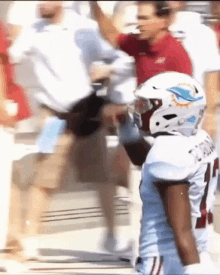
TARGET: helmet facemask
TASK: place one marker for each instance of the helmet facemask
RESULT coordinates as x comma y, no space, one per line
146,108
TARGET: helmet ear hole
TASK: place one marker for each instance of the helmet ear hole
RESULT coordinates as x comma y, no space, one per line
181,121
167,126
168,117
157,123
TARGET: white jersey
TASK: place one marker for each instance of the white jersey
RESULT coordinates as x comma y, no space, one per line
176,158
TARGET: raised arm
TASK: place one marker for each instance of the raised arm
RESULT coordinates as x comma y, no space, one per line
119,15
107,29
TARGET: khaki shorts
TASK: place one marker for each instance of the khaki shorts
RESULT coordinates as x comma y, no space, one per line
86,156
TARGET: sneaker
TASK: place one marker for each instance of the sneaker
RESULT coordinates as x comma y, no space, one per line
31,249
15,267
126,254
110,243
123,254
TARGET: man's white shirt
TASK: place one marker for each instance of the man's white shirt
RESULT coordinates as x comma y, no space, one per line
200,43
62,55
122,80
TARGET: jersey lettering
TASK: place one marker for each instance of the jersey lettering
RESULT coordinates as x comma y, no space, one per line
201,222
203,150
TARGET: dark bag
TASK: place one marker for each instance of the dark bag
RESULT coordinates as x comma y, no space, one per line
84,117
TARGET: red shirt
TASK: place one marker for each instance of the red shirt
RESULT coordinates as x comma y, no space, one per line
14,91
166,55
217,30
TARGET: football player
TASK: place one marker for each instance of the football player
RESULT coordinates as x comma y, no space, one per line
179,175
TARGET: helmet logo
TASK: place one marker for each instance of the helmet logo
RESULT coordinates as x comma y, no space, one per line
191,119
183,95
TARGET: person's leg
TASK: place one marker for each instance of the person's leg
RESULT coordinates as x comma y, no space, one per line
23,171
6,159
13,256
106,189
121,167
106,192
125,196
38,200
15,220
9,197
120,178
115,161
90,160
50,172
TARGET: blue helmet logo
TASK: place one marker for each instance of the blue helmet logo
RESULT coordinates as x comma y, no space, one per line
183,93
192,119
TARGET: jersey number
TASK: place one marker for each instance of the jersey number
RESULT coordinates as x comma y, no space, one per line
201,222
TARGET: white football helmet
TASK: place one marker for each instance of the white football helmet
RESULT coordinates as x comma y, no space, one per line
171,102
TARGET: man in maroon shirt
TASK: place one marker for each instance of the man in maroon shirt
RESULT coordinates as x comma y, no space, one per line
154,48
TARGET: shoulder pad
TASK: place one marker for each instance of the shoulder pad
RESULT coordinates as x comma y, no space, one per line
163,171
169,159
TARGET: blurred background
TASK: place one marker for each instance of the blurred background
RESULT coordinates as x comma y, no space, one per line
76,206
25,14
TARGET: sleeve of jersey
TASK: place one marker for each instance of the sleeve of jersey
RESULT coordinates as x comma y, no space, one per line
128,43
167,172
170,161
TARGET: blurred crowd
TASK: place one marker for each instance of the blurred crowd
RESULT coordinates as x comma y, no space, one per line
74,59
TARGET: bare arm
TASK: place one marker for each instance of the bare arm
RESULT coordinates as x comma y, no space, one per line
177,207
118,15
107,28
212,88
